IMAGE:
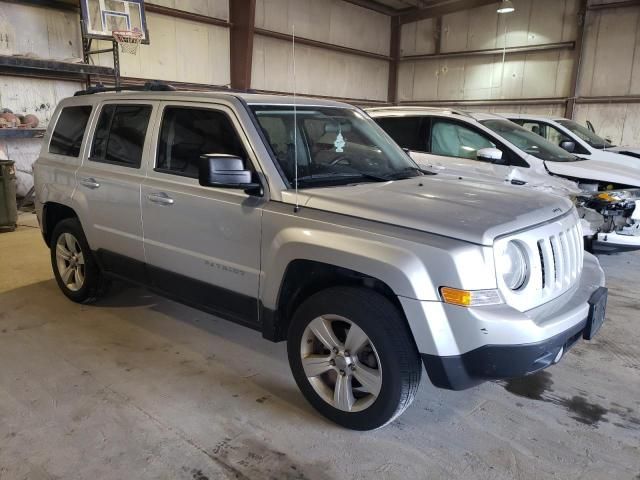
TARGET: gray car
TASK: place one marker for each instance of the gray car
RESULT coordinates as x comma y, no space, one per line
306,222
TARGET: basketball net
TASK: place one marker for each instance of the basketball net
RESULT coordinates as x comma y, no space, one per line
129,40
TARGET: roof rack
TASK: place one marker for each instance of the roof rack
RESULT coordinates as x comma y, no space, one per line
154,86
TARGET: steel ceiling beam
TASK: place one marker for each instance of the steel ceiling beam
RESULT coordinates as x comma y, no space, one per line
608,6
375,6
494,51
315,43
441,8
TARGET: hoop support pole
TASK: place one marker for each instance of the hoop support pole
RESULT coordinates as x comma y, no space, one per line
116,63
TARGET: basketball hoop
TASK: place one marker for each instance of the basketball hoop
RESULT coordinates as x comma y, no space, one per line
129,40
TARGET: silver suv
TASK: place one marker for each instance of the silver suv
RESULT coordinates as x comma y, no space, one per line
368,269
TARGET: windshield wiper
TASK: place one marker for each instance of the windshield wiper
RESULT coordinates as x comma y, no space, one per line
338,177
398,175
369,176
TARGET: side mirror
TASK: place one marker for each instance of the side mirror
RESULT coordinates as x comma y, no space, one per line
491,155
226,171
568,145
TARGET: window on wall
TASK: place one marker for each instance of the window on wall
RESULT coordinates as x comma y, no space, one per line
455,140
408,132
187,133
120,134
67,136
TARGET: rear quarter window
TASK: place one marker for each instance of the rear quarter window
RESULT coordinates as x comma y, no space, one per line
68,133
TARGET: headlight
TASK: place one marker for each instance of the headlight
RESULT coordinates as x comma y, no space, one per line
513,266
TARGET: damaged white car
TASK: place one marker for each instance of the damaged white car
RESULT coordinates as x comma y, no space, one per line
577,139
490,148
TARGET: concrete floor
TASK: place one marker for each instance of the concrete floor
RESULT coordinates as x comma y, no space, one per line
139,387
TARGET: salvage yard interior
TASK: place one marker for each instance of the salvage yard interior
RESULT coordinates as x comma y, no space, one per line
173,172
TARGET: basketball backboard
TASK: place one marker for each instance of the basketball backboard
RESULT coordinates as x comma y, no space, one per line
101,17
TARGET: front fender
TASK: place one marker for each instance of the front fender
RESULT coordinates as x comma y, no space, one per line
412,264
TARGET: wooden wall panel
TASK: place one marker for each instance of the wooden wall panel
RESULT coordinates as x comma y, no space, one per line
550,109
418,38
329,21
619,122
34,95
30,95
39,32
209,8
542,74
165,58
534,75
611,64
318,71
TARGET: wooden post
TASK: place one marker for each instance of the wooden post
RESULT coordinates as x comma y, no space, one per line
242,15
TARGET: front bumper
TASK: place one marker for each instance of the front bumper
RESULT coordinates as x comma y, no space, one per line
498,361
462,347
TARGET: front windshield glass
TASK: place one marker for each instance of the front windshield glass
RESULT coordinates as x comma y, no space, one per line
585,134
529,142
335,146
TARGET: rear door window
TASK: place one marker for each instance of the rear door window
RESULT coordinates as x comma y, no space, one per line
120,133
68,133
408,132
187,133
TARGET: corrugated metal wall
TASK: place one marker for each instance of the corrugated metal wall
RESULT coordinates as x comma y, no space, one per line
608,92
321,71
192,50
542,74
611,68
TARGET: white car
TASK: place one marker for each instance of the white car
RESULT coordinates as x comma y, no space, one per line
577,139
489,147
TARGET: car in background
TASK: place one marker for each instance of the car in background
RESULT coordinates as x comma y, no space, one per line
489,147
577,139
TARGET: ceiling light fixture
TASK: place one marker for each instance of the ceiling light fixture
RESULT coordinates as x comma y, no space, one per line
506,6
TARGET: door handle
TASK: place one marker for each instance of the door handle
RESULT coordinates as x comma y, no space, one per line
90,183
160,198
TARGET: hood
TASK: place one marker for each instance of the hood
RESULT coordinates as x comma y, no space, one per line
535,178
629,151
596,170
463,209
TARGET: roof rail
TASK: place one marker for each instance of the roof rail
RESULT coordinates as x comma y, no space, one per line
153,86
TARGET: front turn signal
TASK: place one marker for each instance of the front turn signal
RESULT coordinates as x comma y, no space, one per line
470,298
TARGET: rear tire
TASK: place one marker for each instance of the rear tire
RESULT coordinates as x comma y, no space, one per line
74,266
354,340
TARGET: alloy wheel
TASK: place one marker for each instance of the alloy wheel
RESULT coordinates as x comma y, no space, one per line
341,363
70,261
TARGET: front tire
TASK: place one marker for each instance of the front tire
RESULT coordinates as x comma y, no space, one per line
353,357
74,266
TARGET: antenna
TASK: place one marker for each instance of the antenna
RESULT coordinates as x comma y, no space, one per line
295,120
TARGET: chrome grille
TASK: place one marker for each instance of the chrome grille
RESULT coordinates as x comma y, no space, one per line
555,255
561,257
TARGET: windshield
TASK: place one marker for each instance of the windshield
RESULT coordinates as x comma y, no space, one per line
529,142
585,134
334,146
